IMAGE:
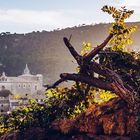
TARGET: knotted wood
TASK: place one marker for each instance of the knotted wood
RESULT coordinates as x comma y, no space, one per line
111,81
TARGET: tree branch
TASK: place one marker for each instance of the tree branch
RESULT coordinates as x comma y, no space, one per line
116,82
72,51
104,71
113,86
55,84
123,93
88,80
112,81
97,49
78,87
87,89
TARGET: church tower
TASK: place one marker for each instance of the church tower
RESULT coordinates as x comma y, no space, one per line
26,70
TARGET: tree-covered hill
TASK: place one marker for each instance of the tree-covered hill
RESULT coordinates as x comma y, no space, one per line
45,51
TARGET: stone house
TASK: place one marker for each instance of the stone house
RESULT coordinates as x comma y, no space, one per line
24,84
4,100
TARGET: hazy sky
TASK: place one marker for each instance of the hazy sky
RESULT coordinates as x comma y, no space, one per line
23,16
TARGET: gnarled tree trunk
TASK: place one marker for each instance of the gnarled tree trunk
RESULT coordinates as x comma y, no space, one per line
87,66
111,82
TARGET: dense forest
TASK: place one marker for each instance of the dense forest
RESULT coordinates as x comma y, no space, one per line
45,51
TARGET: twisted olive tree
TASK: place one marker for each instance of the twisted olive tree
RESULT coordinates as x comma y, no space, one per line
109,79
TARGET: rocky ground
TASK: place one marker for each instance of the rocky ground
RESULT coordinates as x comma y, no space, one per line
113,120
38,134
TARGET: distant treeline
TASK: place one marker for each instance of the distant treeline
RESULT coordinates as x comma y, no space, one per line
45,51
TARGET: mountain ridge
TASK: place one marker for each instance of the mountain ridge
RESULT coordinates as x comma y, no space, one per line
45,51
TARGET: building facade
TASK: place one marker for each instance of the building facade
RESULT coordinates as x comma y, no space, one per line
24,84
4,100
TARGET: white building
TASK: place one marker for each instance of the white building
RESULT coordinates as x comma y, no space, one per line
25,84
4,101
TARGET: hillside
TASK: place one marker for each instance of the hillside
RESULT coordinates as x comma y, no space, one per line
45,51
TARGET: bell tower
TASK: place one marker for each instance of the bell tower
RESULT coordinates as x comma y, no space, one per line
26,70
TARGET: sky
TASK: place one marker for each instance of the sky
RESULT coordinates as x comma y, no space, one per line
23,16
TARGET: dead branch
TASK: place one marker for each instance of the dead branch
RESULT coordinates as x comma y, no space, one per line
97,49
111,81
72,50
55,84
88,80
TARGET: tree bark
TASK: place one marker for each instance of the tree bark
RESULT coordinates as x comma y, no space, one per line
111,81
98,48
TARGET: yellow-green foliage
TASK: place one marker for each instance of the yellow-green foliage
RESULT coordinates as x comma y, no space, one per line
104,96
65,102
122,33
60,103
70,103
86,49
24,117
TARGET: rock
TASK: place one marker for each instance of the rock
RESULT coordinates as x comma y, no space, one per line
63,125
113,120
30,134
112,117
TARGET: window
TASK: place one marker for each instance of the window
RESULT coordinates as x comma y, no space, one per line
3,79
2,87
36,87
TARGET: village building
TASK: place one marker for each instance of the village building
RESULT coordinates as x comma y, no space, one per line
25,86
4,100
22,85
